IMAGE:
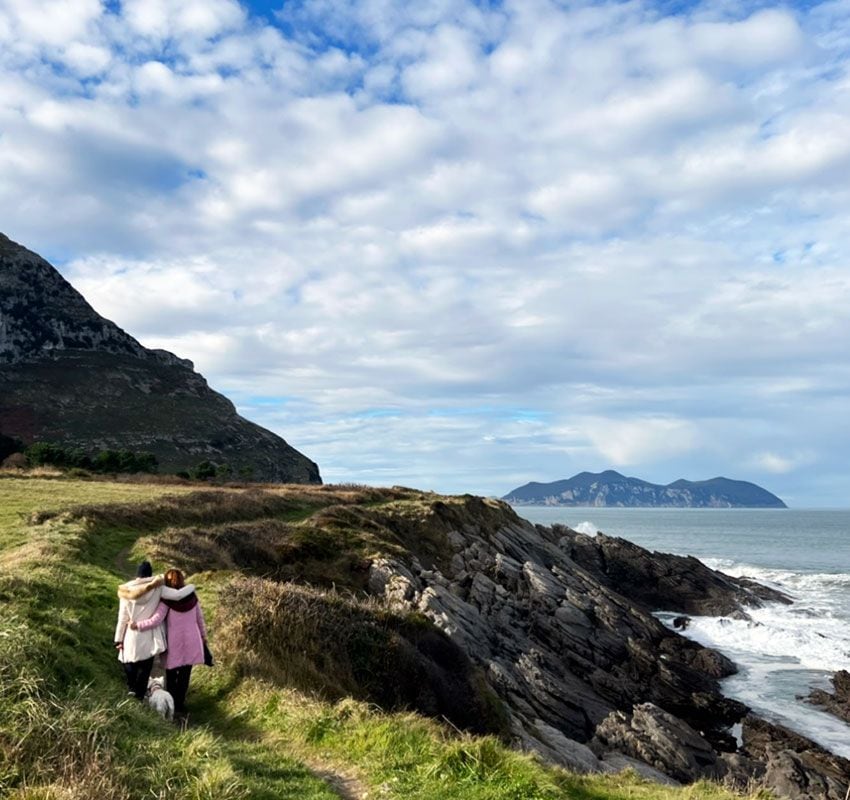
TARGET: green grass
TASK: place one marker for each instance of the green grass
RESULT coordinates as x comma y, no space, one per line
68,731
20,497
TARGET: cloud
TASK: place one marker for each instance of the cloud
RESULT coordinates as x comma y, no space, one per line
771,462
464,245
625,442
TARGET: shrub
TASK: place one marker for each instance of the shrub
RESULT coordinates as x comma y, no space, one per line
15,461
204,471
106,461
321,642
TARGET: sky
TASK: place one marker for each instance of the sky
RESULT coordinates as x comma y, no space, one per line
462,245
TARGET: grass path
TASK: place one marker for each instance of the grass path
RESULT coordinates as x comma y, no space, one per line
264,761
259,768
346,785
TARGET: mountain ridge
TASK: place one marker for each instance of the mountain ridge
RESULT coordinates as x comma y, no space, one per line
610,488
70,376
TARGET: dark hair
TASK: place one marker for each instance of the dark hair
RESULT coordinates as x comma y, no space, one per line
144,570
174,578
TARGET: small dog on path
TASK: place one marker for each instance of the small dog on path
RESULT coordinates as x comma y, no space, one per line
159,699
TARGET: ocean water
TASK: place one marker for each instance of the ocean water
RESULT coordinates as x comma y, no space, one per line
785,650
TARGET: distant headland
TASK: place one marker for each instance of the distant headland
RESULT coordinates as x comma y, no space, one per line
610,488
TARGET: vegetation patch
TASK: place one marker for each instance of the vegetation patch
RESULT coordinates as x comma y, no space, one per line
321,642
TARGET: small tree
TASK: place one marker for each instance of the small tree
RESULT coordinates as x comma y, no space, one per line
45,453
204,471
224,471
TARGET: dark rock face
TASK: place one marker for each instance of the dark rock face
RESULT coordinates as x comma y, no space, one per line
562,627
837,703
610,488
559,647
70,376
41,315
662,581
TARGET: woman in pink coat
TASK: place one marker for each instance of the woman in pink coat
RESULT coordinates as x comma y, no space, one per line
186,635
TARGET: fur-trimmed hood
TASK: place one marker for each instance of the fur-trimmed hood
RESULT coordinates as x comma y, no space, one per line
139,587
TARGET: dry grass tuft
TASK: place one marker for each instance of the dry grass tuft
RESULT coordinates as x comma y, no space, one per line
342,647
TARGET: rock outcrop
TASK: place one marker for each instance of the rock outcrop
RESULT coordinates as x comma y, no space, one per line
793,765
561,623
663,581
68,375
836,703
560,627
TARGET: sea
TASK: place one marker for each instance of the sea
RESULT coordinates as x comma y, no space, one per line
785,650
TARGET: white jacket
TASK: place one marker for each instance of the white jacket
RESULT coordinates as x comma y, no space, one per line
139,599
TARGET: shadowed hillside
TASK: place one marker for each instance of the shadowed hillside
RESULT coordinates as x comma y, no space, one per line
72,377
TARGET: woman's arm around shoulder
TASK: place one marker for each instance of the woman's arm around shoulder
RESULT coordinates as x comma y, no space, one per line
151,622
123,620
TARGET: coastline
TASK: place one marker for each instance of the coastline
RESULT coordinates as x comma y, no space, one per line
781,653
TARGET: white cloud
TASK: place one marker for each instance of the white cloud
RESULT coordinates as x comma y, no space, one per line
771,462
86,59
161,19
768,37
625,442
48,22
582,236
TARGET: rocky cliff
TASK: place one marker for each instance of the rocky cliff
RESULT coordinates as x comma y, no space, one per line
610,488
70,376
560,625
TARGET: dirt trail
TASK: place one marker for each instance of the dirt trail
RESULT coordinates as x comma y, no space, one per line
122,561
344,783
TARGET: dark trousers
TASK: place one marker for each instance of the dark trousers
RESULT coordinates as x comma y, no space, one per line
177,682
137,673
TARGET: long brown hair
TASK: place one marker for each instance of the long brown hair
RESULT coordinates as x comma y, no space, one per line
174,578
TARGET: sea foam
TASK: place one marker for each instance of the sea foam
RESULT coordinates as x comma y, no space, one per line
785,650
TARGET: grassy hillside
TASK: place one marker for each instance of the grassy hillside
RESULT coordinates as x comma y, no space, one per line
290,710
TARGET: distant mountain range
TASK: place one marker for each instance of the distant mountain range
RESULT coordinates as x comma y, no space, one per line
69,376
610,488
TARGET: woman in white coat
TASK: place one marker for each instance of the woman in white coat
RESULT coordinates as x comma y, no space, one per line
139,600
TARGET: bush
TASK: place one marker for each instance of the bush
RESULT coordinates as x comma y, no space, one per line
204,471
15,461
106,461
321,642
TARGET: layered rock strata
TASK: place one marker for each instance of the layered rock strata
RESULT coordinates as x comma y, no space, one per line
562,624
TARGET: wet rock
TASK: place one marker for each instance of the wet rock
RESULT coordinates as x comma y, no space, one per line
836,703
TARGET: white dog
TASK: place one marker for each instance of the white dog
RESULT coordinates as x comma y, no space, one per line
159,699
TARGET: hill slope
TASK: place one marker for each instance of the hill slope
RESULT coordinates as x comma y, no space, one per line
610,488
397,591
70,376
